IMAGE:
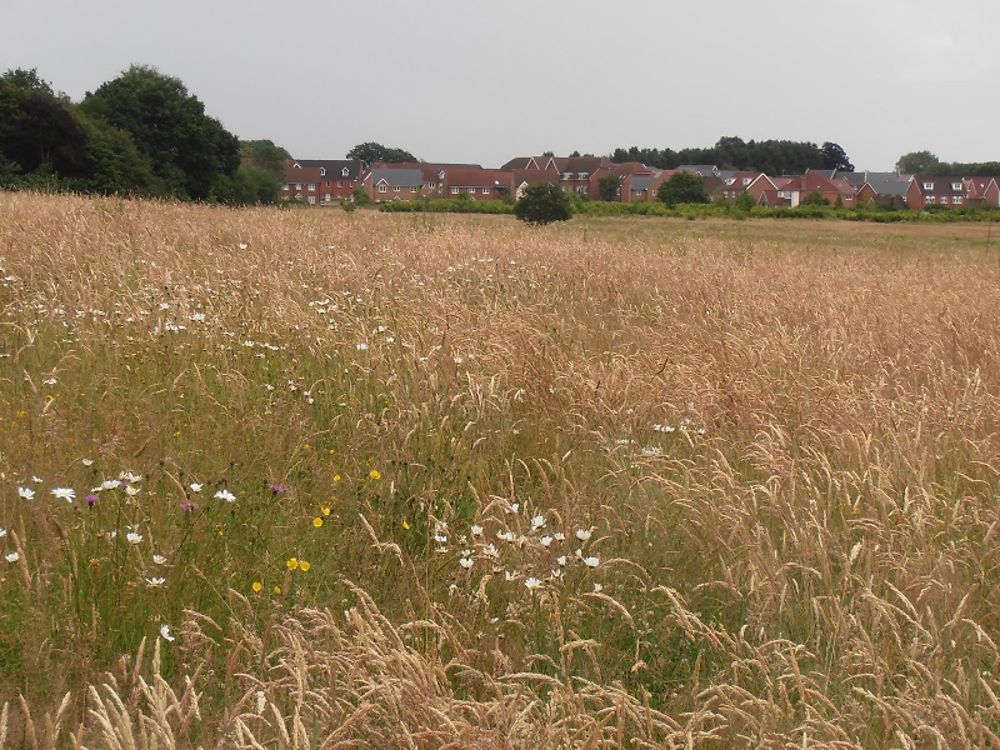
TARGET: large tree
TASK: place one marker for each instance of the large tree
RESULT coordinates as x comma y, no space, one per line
188,150
834,157
608,187
372,152
682,188
265,155
918,162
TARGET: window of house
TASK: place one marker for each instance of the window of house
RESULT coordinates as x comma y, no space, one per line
395,188
568,176
747,180
581,188
327,197
298,185
486,191
730,180
340,183
454,189
956,186
928,186
431,185
312,200
414,188
298,196
583,176
957,199
322,171
312,187
345,172
930,199
382,188
288,186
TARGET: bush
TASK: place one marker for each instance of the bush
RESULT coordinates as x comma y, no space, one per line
682,188
543,204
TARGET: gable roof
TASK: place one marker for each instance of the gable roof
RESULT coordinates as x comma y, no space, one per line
476,178
398,177
887,183
941,185
977,186
334,167
702,170
305,175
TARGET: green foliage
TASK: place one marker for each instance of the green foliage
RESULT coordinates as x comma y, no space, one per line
543,204
188,149
744,202
918,162
682,188
608,187
372,152
448,205
772,156
834,157
814,199
265,155
360,198
926,163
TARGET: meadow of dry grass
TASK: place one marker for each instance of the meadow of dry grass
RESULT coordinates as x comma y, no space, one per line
304,479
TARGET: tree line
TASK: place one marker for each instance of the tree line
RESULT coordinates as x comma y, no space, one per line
775,157
141,134
927,163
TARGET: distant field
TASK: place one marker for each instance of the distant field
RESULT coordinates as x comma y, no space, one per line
305,479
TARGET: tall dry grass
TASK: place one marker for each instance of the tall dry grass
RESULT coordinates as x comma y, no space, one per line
648,484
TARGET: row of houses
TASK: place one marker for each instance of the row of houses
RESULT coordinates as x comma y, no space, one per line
324,182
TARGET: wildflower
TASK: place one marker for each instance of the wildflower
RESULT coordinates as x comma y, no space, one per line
591,562
336,477
165,633
88,462
325,510
277,489
374,474
155,582
292,563
546,541
532,583
133,537
276,590
64,493
36,480
110,484
226,495
583,534
361,346
91,499
131,490
317,522
515,507
598,588
304,565
509,575
195,487
537,523
505,536
128,476
187,507
491,551
561,560
476,530
244,246
557,573
25,493
257,586
465,562
406,524
159,559
560,537
12,557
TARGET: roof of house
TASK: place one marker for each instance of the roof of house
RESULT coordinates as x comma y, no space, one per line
827,174
398,177
579,164
703,170
476,177
887,183
941,185
304,175
977,186
771,198
641,182
333,167
712,184
534,176
518,162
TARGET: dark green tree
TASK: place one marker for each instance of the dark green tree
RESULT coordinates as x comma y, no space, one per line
265,155
543,204
188,149
372,152
918,162
608,187
834,157
682,188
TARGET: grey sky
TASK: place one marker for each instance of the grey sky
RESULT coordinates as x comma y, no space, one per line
482,82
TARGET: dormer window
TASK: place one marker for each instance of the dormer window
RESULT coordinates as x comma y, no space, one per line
747,180
582,176
956,186
441,175
345,172
322,171
928,186
730,180
567,175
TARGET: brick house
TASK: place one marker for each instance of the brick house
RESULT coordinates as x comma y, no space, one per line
983,191
735,183
301,184
939,191
383,184
478,184
338,177
887,189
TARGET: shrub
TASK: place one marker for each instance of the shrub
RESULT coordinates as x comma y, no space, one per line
543,204
682,188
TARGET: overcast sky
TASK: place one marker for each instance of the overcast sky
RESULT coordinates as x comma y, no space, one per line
468,81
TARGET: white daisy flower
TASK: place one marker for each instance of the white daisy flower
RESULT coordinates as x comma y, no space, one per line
25,493
110,484
361,346
64,493
131,490
165,633
598,588
591,562
128,476
159,559
465,562
583,534
226,495
476,530
3,533
537,523
12,557
491,551
557,572
155,582
560,537
195,487
546,541
532,583
36,480
88,462
133,537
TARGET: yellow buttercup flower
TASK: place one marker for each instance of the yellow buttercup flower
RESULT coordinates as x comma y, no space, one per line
406,524
317,522
257,587
292,563
336,477
326,510
276,590
375,474
304,566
